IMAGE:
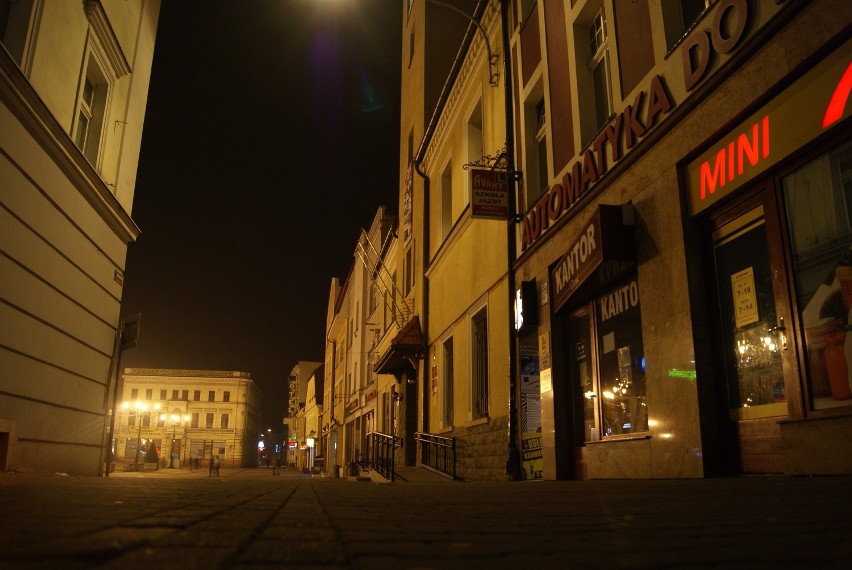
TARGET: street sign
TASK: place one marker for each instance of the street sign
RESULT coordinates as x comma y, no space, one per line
130,332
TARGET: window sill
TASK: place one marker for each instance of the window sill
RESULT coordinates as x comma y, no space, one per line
477,422
615,438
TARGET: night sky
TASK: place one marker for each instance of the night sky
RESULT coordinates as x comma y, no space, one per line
271,138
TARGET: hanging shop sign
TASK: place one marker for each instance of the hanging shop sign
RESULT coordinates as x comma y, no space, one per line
818,101
605,248
489,194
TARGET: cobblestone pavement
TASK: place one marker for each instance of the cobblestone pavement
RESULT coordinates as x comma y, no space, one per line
248,518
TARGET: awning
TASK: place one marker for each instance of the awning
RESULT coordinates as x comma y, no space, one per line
604,251
406,346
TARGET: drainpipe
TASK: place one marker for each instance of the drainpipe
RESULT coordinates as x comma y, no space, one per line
513,459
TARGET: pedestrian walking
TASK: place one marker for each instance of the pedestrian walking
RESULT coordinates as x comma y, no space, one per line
214,466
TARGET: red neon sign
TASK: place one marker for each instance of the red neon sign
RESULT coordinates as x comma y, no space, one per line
730,160
838,99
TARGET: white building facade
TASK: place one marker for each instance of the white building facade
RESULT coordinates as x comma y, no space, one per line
74,80
188,414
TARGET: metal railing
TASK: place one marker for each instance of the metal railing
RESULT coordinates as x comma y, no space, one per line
382,453
437,453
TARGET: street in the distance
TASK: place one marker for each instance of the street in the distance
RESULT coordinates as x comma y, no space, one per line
248,518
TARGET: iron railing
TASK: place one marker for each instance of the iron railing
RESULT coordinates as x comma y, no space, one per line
437,453
382,453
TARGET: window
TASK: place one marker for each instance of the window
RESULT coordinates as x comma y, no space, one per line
134,394
146,421
607,363
163,394
679,16
479,364
409,273
196,418
91,108
15,18
475,146
448,382
818,200
196,396
209,422
184,395
446,201
226,396
131,419
541,147
599,67
174,395
223,421
211,396
149,394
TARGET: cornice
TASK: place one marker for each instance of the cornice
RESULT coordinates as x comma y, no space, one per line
105,34
24,102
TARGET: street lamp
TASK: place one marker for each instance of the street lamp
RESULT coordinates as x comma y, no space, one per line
140,409
175,420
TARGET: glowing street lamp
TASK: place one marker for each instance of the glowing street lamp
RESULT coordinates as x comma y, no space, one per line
175,420
140,409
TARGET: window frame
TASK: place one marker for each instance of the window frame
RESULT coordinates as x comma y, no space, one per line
479,363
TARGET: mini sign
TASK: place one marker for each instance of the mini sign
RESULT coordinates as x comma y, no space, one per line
489,194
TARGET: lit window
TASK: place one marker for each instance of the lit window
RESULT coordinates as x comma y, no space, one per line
607,363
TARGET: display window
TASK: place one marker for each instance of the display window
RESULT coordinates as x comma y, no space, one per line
818,203
607,362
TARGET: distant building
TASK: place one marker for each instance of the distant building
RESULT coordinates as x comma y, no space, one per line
297,385
74,80
188,414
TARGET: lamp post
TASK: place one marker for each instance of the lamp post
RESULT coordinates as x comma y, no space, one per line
140,409
175,420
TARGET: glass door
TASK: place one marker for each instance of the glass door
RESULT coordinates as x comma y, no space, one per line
756,330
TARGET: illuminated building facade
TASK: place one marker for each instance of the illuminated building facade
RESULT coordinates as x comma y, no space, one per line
686,226
682,232
74,80
188,414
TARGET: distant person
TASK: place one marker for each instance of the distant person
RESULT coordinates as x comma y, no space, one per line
214,466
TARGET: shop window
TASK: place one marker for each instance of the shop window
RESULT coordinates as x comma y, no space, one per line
679,16
818,200
479,364
607,363
448,382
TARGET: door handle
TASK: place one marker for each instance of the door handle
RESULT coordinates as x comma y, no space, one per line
780,330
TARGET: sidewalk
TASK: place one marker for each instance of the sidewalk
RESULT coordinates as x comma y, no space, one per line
248,518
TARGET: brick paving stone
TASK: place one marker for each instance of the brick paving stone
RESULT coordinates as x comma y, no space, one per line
246,519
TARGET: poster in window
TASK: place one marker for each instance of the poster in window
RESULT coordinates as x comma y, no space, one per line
745,297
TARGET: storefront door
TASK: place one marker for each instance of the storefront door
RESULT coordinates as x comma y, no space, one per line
756,335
